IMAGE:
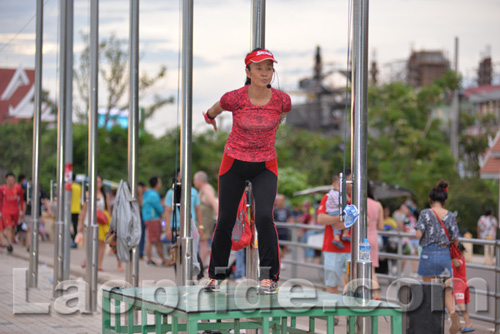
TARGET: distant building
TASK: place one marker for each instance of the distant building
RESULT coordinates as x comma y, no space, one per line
484,72
484,100
324,107
17,94
426,66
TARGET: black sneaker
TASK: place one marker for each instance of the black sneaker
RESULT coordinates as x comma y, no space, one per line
212,285
268,287
151,263
9,248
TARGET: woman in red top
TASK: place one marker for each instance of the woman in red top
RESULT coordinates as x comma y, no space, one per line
249,154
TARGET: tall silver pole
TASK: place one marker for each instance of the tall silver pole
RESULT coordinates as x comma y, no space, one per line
61,150
185,261
68,139
35,208
133,127
258,24
497,286
455,112
359,119
258,41
91,236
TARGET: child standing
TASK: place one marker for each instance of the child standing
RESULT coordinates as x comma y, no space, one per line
333,207
461,289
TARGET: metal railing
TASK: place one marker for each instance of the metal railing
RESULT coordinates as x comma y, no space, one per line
294,244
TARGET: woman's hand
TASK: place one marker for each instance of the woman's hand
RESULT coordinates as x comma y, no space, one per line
211,113
208,120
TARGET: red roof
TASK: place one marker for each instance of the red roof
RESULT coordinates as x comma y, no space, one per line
481,90
491,166
6,76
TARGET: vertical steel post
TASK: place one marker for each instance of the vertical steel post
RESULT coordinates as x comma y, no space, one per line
359,126
186,259
91,235
61,150
497,287
258,41
133,127
359,112
35,208
68,139
258,24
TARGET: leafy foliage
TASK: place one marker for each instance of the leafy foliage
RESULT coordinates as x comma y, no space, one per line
407,147
113,68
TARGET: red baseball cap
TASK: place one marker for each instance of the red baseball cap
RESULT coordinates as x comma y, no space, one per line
258,56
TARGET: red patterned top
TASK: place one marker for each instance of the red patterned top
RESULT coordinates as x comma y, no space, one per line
254,128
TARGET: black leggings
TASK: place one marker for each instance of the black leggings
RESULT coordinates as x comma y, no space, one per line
232,177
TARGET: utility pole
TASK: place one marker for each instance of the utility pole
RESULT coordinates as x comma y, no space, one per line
455,112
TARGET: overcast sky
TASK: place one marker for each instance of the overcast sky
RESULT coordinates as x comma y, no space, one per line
222,30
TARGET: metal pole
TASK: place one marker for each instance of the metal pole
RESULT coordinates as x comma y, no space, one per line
91,236
186,258
359,112
35,208
455,112
258,24
258,41
133,127
61,150
359,123
497,287
68,139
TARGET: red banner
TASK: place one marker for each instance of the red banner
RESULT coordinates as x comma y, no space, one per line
68,176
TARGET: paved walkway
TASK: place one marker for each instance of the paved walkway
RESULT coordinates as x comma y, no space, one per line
49,320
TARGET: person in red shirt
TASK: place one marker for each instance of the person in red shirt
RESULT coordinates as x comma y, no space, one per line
249,154
335,257
11,206
461,288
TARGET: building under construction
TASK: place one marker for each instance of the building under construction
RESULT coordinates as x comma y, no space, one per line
426,66
324,107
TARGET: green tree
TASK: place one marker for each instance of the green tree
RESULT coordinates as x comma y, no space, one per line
406,146
113,67
311,153
472,146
